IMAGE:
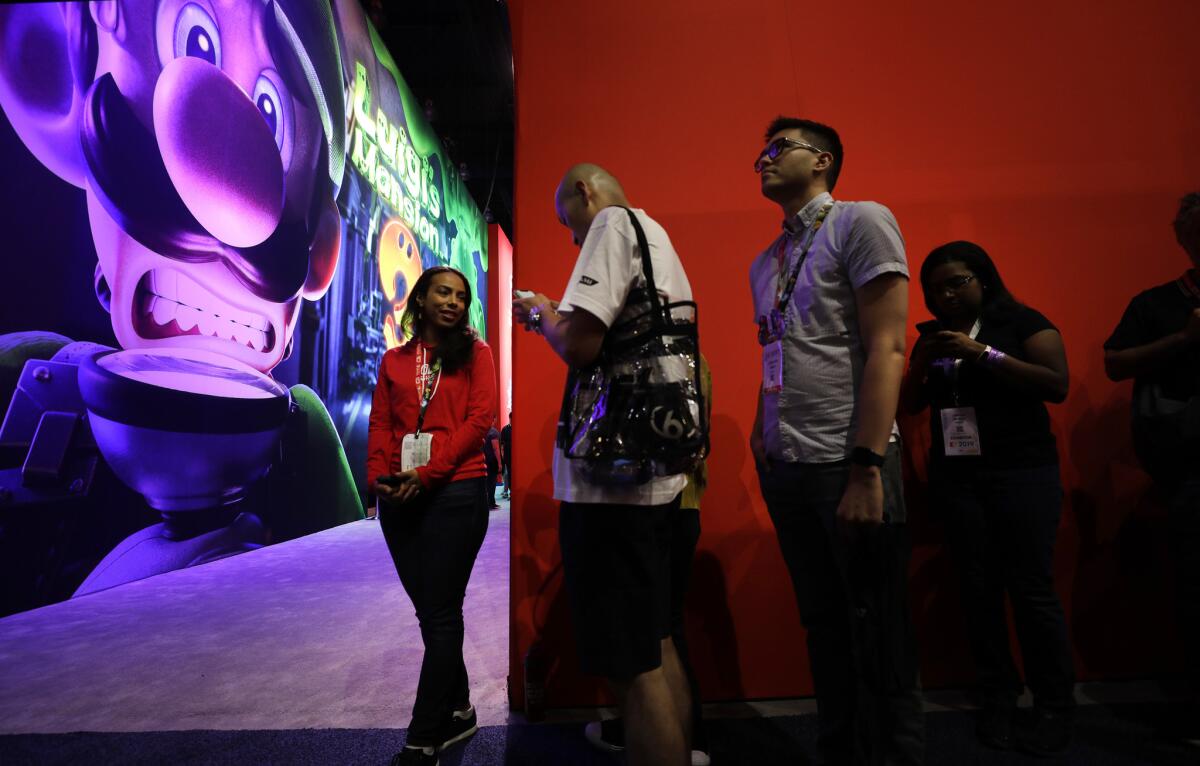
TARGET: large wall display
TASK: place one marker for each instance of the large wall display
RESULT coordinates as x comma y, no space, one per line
213,213
1059,135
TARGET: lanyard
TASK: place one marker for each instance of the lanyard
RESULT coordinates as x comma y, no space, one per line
958,362
773,326
428,380
782,296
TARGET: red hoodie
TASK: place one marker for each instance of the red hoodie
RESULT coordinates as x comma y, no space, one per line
459,415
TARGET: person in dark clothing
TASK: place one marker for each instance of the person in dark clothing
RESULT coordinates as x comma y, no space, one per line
1157,343
433,402
831,302
506,457
985,367
493,465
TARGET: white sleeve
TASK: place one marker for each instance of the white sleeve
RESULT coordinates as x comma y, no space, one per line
604,272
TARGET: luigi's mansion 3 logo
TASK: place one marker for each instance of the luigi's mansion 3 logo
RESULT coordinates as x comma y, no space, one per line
384,154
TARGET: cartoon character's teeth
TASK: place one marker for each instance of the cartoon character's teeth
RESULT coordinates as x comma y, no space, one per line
170,284
166,315
163,311
163,283
186,317
206,322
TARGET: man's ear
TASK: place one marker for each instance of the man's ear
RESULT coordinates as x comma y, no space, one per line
47,64
824,161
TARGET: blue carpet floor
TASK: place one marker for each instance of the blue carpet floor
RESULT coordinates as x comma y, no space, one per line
1105,735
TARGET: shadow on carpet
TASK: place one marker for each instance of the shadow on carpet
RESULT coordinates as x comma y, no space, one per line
1105,735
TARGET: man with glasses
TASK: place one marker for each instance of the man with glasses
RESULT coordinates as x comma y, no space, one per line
831,302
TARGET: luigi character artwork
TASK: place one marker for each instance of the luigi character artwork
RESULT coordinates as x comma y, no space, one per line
203,142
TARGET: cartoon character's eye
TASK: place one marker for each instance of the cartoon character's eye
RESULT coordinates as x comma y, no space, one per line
270,106
196,35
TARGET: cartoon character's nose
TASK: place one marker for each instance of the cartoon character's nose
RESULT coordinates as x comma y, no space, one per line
219,152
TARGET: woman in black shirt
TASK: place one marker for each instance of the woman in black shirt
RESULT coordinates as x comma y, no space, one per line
985,367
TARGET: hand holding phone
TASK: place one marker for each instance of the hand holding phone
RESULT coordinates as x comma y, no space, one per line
523,294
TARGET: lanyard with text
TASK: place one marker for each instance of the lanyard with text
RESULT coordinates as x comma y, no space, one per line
416,447
960,426
428,379
773,326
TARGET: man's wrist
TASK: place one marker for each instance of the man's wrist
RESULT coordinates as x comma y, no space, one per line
533,320
865,472
866,457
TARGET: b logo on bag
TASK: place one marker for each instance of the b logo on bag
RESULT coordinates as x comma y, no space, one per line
668,426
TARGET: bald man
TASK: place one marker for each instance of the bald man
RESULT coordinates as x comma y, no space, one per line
616,540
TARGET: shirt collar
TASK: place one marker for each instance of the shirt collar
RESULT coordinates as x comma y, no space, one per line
802,220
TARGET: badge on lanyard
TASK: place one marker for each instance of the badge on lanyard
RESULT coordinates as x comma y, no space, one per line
415,448
772,327
772,360
414,451
960,426
960,431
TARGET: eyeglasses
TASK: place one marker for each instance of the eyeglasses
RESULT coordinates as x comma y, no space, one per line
954,284
778,147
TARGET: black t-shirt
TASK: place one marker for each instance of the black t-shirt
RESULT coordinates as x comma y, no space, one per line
506,444
1154,314
1014,427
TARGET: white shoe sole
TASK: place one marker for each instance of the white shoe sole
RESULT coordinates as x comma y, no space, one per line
591,733
459,738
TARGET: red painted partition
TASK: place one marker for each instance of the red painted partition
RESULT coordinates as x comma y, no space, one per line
1057,135
499,317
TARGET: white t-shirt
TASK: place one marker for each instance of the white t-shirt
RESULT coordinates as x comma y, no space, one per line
608,267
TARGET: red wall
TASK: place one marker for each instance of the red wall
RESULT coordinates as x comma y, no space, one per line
1057,135
499,317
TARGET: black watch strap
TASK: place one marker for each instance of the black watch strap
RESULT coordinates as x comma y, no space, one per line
865,457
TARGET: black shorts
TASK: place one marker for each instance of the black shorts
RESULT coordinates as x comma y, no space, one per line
617,570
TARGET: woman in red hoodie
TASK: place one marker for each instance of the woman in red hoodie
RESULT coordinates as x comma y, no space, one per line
435,400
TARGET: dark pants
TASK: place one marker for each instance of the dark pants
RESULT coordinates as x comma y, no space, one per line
434,540
1184,528
684,533
493,473
1001,525
853,597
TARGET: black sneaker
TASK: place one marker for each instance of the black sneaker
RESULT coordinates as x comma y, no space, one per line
994,727
415,756
1045,733
462,724
607,736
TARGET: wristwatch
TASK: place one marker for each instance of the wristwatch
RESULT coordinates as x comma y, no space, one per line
865,457
533,320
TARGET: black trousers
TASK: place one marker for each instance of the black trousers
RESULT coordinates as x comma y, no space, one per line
1001,525
492,475
434,541
1183,523
852,592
